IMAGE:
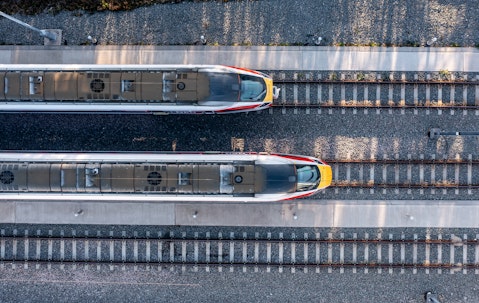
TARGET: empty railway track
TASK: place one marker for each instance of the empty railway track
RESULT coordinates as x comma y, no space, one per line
407,174
442,90
318,252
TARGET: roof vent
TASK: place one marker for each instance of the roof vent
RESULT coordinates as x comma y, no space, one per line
180,85
238,179
6,177
97,85
154,178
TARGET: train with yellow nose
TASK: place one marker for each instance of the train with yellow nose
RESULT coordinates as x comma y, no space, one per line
160,176
148,89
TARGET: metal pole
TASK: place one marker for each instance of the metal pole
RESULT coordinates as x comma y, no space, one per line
43,33
460,133
431,298
434,133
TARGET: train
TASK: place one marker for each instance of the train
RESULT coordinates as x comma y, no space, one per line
150,89
160,176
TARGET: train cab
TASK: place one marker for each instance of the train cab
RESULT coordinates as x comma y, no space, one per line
305,175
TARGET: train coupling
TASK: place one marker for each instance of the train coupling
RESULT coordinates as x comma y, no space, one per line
276,92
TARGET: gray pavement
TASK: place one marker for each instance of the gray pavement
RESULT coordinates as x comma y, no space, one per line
310,213
304,58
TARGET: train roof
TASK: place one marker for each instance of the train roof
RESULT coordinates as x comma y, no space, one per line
120,67
140,176
278,178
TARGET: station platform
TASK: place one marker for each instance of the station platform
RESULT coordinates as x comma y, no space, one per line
312,213
304,58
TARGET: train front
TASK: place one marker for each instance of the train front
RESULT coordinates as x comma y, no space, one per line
294,177
253,90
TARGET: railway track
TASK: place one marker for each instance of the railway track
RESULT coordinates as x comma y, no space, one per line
441,90
407,174
307,252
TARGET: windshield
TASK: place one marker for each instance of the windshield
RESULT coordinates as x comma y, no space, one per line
223,87
308,177
252,88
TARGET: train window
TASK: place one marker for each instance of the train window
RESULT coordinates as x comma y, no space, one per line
252,88
308,177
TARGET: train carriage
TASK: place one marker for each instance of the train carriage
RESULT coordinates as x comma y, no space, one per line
222,177
189,89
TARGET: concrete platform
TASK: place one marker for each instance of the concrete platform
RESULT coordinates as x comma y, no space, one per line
307,58
313,213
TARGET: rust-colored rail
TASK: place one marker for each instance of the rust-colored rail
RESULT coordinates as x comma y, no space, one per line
403,161
373,82
292,104
397,173
241,241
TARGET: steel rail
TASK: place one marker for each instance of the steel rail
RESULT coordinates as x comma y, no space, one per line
249,241
345,184
379,102
251,264
292,104
234,252
373,82
406,182
403,161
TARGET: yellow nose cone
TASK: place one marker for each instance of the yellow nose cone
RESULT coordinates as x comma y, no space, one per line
326,176
269,90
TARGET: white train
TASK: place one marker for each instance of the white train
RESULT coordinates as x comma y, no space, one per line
181,89
152,176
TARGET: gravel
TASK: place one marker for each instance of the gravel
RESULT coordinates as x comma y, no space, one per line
334,135
264,22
